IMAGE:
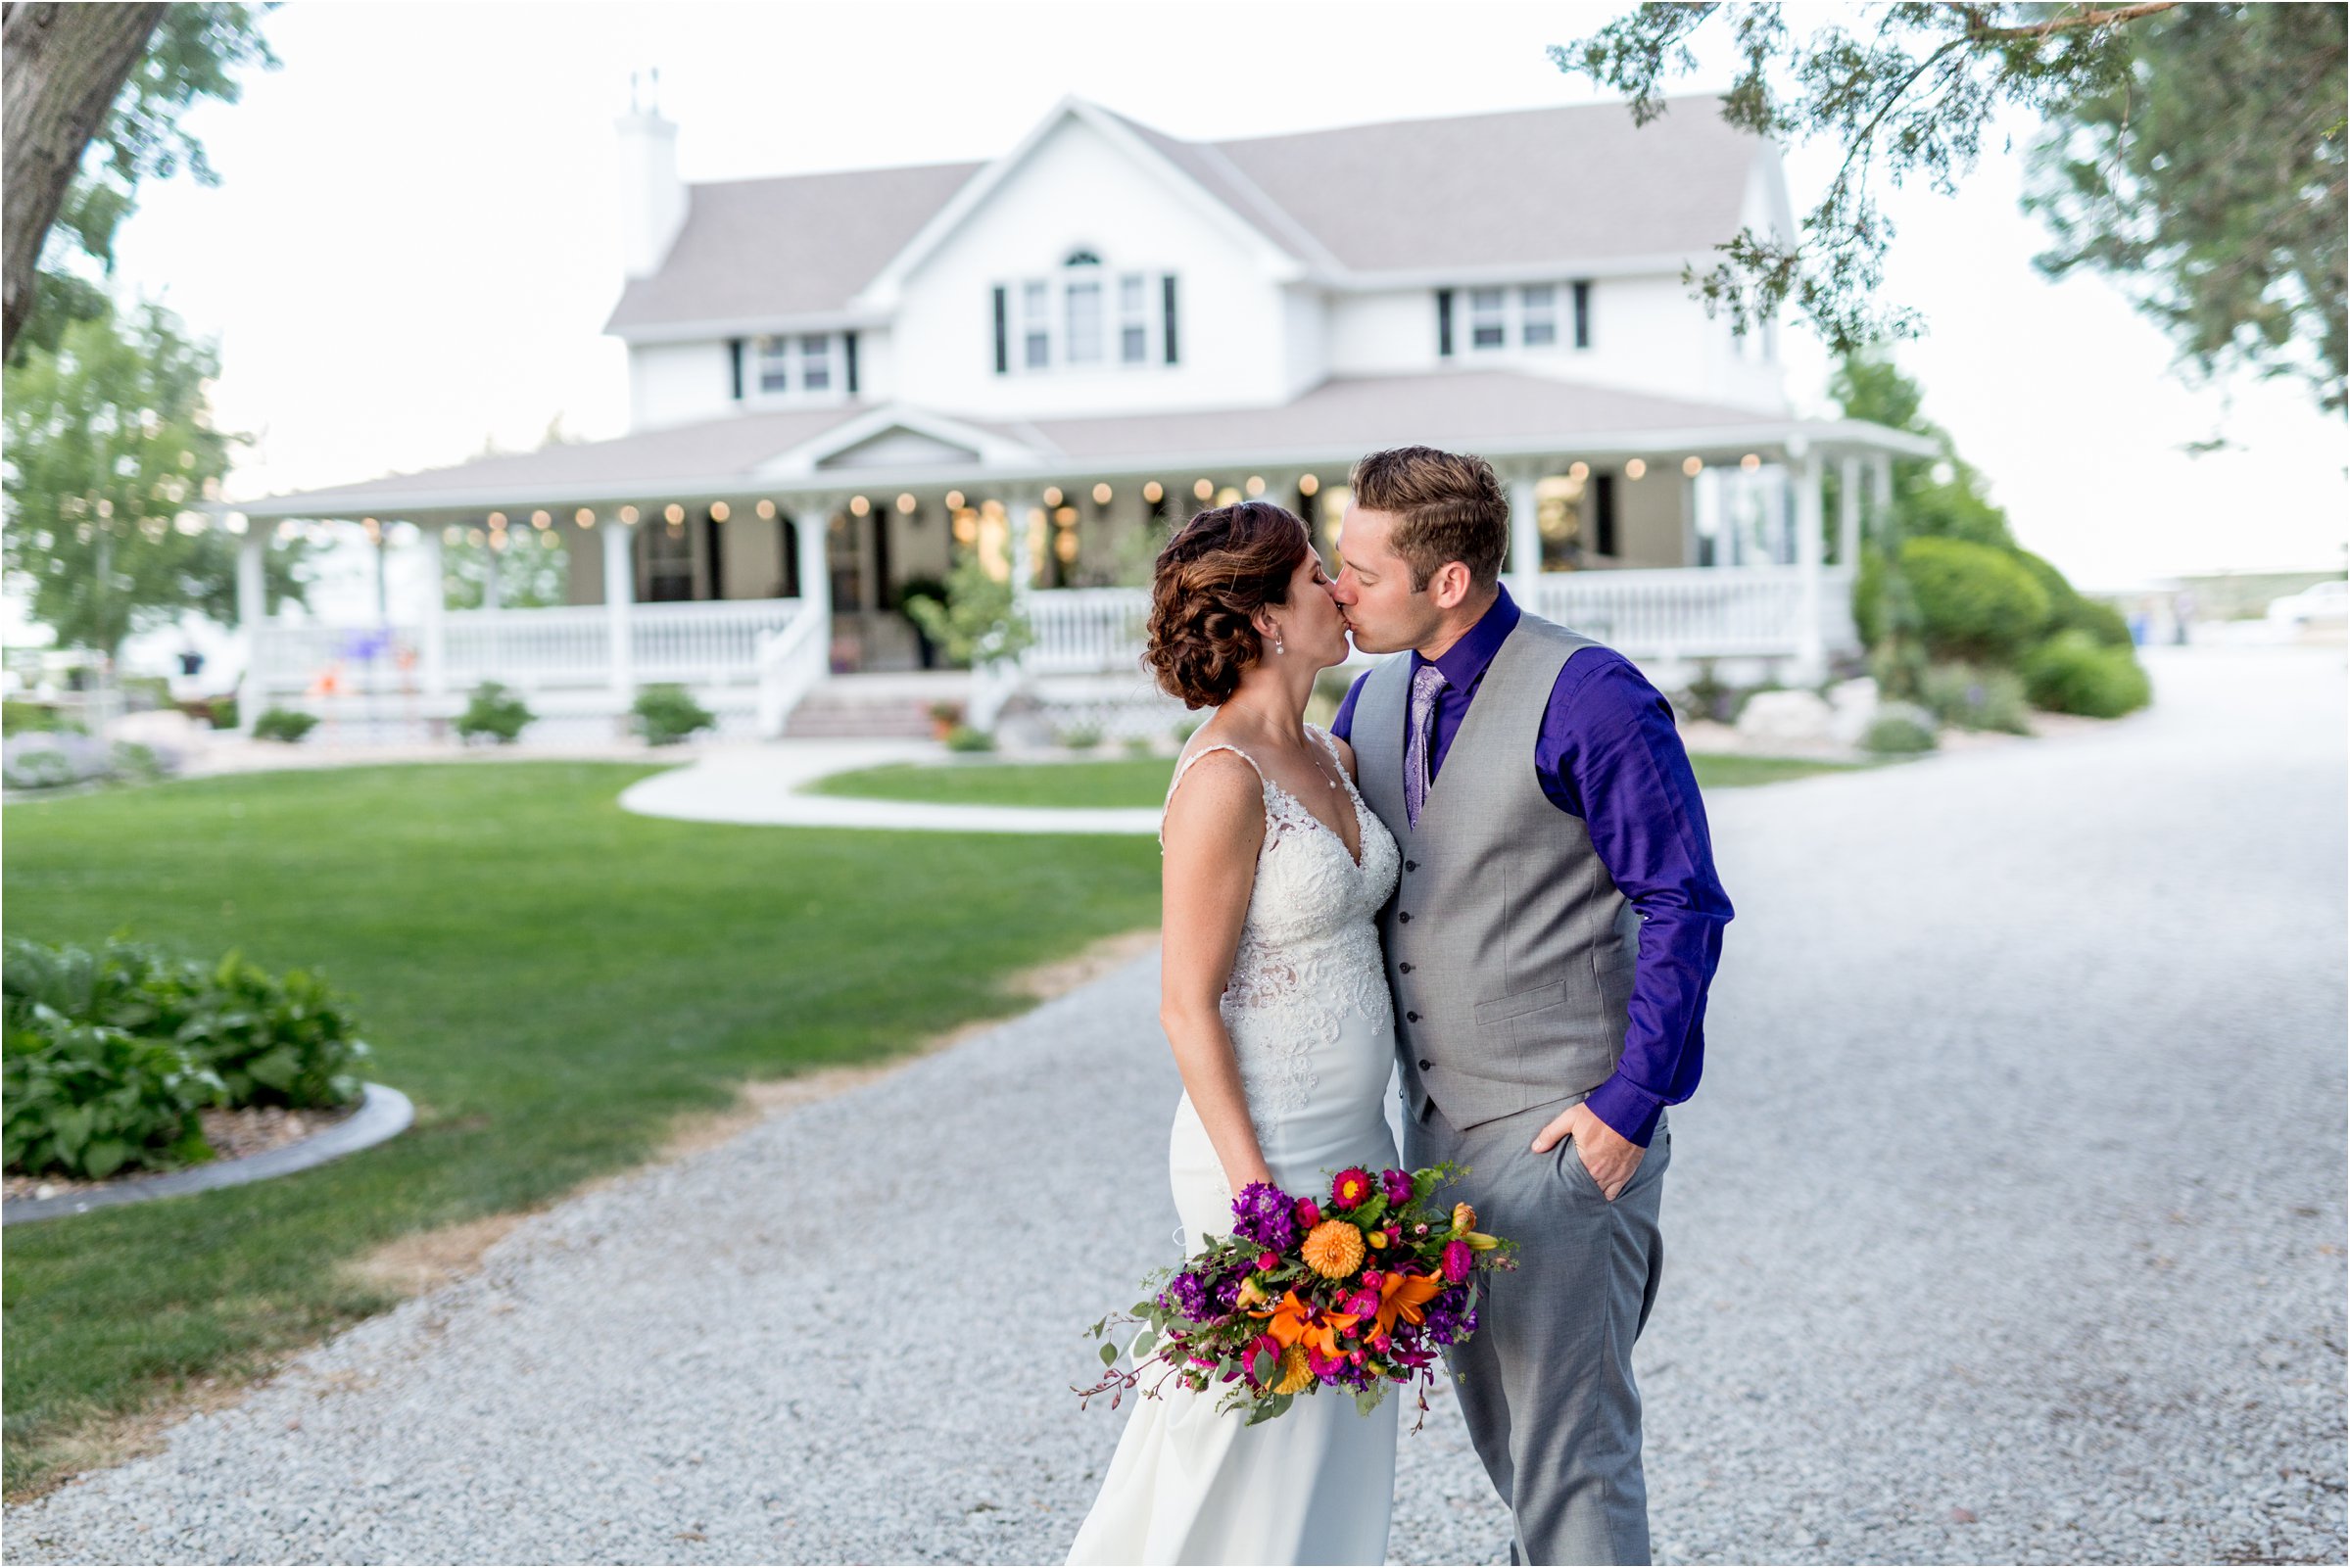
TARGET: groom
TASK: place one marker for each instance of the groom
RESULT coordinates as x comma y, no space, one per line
1548,947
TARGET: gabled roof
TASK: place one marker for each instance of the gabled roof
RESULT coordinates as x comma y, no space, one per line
1496,412
1570,186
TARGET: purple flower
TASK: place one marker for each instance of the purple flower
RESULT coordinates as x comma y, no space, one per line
1265,1215
1397,1184
1227,1295
1188,1296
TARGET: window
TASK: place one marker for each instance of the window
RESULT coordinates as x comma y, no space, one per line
1133,318
1084,298
1035,305
816,363
1083,317
775,365
1538,315
1487,326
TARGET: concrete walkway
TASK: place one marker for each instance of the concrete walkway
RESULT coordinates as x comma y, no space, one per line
2008,1225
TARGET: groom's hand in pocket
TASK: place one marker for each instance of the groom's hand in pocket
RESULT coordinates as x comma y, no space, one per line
1606,1153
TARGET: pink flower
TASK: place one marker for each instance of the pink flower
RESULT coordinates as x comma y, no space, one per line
1354,1356
1397,1185
1362,1304
1268,1259
1351,1188
1309,1213
1371,1278
1458,1261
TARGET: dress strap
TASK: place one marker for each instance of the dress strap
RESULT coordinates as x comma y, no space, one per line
1184,766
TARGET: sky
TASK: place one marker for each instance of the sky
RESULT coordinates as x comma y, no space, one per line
414,242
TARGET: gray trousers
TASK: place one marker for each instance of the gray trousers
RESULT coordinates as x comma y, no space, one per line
1546,1381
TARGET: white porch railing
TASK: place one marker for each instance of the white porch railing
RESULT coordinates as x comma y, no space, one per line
1663,613
703,642
792,663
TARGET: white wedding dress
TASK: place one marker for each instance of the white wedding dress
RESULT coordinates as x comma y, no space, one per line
1313,1028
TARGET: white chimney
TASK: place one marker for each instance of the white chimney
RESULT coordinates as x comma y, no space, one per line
652,199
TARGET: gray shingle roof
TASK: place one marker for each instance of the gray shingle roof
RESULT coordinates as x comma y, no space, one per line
1530,187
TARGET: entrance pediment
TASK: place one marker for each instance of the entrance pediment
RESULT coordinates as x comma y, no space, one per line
900,447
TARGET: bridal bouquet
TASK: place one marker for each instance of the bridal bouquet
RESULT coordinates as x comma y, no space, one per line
1354,1292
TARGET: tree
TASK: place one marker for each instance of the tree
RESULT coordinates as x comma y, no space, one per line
1909,93
110,450
58,107
1944,495
2210,185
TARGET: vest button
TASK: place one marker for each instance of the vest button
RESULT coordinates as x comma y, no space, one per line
1404,969
1405,916
1412,1017
1425,1064
1411,865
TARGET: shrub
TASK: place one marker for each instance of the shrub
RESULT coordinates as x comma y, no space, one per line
963,737
1899,728
224,713
666,713
494,710
146,692
283,723
44,759
1080,737
141,763
980,622
17,715
2072,672
85,1100
289,1041
1977,601
1977,697
1137,745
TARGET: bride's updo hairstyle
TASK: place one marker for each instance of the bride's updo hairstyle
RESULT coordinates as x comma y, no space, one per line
1216,571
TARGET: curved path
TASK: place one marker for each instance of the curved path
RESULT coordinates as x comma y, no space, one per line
760,785
2007,1226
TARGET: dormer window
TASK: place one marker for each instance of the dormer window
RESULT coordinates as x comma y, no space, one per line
1527,315
1087,315
791,366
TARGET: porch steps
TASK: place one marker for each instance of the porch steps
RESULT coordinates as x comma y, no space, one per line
872,707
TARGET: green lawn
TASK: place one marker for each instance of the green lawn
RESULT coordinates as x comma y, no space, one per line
1143,781
552,979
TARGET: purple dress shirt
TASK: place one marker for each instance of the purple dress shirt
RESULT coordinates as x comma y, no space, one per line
1607,753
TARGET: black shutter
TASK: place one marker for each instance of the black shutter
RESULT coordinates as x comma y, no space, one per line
713,529
1166,309
1444,323
1003,335
850,344
734,353
786,541
1603,508
1582,316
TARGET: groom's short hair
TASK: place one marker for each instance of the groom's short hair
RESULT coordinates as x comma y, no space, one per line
1450,505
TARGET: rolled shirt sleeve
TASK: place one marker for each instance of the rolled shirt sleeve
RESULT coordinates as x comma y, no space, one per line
1609,753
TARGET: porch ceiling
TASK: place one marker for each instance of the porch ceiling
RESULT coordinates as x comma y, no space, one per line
1501,414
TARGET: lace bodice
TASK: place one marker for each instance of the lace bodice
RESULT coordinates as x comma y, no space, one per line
1308,949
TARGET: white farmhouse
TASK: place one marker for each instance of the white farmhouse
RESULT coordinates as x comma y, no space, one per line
838,382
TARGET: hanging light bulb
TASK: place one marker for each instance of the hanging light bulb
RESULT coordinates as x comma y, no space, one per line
1255,486
1154,492
1308,484
539,519
1691,464
1635,469
673,513
1052,494
720,511
1101,495
954,500
1203,488
1750,461
858,505
627,515
1580,472
767,509
906,503
585,517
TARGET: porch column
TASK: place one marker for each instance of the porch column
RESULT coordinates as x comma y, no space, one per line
252,614
1811,654
1848,510
1880,495
1525,537
620,596
1017,507
811,529
434,655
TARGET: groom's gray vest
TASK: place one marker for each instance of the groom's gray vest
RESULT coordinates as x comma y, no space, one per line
1510,948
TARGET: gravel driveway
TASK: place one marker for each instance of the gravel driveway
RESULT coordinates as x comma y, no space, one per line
2007,1226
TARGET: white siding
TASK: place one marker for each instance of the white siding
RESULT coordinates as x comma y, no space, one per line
678,383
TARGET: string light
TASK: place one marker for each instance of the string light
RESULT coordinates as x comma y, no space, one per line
585,517
858,505
627,515
1066,516
1154,492
1052,494
1750,462
1101,495
1691,464
767,509
906,504
1635,469
720,511
673,513
539,519
1255,485
497,519
954,500
1203,488
1308,484
1580,472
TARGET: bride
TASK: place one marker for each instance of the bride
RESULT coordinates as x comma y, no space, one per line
1274,999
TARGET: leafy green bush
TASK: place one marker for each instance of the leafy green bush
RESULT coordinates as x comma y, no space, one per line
1080,737
2074,672
1977,697
666,713
142,694
963,737
85,1099
980,622
140,1040
224,713
16,714
2106,625
1899,728
1978,601
495,710
1137,745
283,723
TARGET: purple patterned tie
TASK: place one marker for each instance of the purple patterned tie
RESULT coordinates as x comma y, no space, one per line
1425,684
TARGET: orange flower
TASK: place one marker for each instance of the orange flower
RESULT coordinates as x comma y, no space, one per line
1334,1248
1295,1374
1463,1218
1402,1296
1294,1323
